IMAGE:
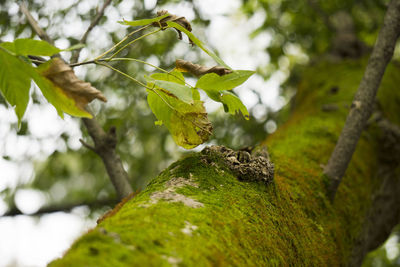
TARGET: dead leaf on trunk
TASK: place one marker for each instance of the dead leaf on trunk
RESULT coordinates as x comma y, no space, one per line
199,70
180,20
62,76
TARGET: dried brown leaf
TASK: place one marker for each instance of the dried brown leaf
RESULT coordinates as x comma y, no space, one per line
180,20
62,75
199,70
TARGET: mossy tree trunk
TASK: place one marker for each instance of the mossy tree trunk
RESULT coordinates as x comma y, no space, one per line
197,213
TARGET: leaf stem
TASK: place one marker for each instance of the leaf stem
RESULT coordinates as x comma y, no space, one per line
122,73
149,64
151,89
120,42
96,61
136,60
138,82
93,61
131,42
37,61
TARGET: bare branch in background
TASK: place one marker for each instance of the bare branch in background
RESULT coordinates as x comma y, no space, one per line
363,102
94,22
66,207
42,34
105,143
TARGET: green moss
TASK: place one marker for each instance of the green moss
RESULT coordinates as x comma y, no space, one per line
389,94
288,223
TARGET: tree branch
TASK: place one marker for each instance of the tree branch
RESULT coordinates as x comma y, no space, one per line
104,146
42,34
363,101
62,207
95,21
105,143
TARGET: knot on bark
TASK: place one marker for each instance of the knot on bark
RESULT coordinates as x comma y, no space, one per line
254,166
108,141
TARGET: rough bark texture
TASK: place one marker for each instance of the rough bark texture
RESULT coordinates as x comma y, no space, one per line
385,209
363,104
198,213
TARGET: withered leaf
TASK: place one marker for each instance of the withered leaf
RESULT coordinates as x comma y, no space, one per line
199,70
180,20
62,76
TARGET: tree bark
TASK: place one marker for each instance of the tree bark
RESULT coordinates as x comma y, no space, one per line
363,103
198,213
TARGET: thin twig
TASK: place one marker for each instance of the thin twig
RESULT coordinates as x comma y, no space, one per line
86,63
63,207
364,99
87,145
42,34
95,21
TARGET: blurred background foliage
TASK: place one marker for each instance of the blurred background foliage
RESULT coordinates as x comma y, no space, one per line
299,32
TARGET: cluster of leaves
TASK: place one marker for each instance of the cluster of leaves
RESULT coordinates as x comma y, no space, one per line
55,79
175,103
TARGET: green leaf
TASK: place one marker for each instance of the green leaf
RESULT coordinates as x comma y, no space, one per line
195,94
143,22
233,104
173,76
178,90
187,123
214,82
14,82
216,88
8,46
32,47
177,77
198,43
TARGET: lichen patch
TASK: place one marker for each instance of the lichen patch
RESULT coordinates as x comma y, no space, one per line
189,228
172,260
181,182
170,194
